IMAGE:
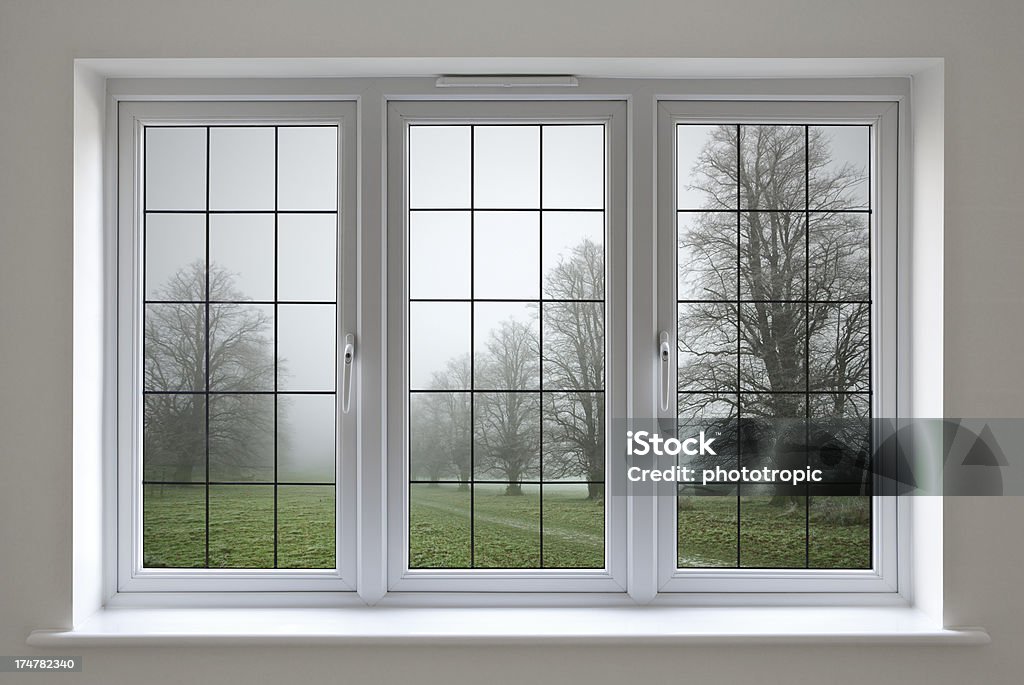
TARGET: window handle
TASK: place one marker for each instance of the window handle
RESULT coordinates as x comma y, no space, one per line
346,373
665,354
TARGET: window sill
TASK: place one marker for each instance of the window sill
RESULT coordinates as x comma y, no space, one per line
619,625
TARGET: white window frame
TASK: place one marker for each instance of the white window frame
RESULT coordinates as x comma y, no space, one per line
402,114
367,209
883,117
133,118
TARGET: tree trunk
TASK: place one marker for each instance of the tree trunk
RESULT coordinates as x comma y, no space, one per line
514,489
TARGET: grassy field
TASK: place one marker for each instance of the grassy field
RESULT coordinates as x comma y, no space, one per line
241,526
837,534
505,531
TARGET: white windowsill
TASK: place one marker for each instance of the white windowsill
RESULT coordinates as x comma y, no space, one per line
619,625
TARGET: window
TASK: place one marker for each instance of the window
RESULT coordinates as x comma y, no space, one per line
234,228
514,349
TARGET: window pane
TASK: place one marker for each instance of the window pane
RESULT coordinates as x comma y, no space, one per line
773,256
241,347
242,168
305,526
307,163
440,526
306,347
708,256
840,249
505,346
506,253
706,167
307,254
708,355
439,255
708,535
839,164
222,345
439,167
439,344
839,534
173,526
506,531
241,526
531,286
506,167
306,438
573,529
773,528
175,168
242,256
573,255
242,438
175,257
773,167
573,167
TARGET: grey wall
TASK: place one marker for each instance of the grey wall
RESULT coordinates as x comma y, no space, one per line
984,317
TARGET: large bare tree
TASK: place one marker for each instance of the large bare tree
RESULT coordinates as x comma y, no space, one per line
241,426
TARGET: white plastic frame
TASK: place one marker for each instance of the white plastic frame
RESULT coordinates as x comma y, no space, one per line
401,115
132,118
884,118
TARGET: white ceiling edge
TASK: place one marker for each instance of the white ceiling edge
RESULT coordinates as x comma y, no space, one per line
586,67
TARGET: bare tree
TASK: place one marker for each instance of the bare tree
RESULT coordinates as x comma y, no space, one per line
507,424
790,330
176,421
574,420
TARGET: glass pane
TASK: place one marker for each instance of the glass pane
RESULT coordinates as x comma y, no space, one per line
573,255
506,355
440,436
305,526
707,529
242,257
707,356
773,256
307,253
440,526
574,167
706,167
175,257
175,168
838,161
242,168
506,252
242,438
175,347
841,440
573,525
574,346
306,347
773,431
439,255
839,532
773,347
173,526
506,167
773,169
707,256
840,347
716,415
574,430
439,167
241,526
773,527
439,345
307,167
174,437
506,526
305,438
506,434
241,346
840,257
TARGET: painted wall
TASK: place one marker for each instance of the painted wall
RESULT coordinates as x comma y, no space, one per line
984,315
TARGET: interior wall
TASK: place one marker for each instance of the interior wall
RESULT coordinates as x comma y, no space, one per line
984,308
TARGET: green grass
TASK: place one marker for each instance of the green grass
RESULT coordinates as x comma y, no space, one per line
774,536
506,528
241,526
